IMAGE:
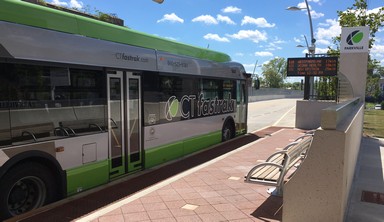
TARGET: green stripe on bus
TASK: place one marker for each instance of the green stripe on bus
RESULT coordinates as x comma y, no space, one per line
44,17
172,151
198,143
87,176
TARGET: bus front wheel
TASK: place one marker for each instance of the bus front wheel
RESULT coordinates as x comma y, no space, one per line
26,187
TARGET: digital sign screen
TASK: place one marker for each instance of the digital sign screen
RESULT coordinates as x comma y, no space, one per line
321,66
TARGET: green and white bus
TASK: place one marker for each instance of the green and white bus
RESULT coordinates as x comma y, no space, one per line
84,102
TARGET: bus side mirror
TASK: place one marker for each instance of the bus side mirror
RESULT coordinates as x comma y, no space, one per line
256,84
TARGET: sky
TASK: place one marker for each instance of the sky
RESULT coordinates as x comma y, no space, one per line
251,32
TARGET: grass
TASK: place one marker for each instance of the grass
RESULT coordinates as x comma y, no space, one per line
373,122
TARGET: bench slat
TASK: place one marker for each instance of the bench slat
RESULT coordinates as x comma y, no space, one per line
263,172
274,169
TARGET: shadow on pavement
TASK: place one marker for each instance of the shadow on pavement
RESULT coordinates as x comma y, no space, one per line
85,205
270,210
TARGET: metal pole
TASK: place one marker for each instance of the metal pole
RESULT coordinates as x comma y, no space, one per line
311,50
313,40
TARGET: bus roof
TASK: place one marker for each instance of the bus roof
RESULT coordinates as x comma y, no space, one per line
26,13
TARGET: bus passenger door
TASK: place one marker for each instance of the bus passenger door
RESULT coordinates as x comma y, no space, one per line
124,127
133,122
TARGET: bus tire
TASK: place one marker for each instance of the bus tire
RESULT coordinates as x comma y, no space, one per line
25,187
228,131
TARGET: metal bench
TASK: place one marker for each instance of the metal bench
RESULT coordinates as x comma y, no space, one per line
274,169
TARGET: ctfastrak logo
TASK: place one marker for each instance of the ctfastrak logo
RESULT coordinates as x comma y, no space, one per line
354,39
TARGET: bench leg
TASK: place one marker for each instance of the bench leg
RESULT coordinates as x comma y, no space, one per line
275,191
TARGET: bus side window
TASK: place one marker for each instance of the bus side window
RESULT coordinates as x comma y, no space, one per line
38,99
210,88
5,131
151,94
86,98
24,95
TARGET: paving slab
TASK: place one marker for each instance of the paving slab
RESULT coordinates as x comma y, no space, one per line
366,202
208,186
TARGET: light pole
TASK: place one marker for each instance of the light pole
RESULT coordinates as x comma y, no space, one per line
312,47
306,41
309,81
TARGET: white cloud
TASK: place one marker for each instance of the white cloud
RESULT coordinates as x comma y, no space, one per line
171,38
303,6
321,50
316,1
375,10
207,19
278,41
260,22
167,37
76,4
231,9
360,11
173,18
318,51
263,54
250,68
225,19
210,20
332,29
240,54
273,46
216,37
59,3
72,3
323,42
297,40
377,51
316,15
253,35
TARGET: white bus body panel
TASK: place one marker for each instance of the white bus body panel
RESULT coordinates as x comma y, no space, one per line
81,150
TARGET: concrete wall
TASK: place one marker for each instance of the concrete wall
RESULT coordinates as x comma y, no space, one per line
319,190
273,93
308,113
354,67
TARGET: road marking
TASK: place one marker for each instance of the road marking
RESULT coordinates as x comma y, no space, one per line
283,116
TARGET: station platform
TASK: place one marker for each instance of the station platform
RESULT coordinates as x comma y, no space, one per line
209,186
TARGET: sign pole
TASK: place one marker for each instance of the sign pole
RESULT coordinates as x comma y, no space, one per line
307,87
354,50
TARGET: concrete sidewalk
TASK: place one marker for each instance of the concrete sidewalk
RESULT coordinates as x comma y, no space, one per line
213,191
202,187
210,186
366,201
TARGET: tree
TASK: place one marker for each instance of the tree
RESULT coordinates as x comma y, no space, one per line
293,85
357,16
275,72
326,88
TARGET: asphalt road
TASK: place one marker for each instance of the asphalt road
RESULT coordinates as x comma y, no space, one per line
278,112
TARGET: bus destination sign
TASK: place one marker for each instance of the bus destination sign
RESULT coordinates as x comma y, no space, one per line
320,66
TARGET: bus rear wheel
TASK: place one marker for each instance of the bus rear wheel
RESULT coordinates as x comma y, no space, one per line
26,187
228,131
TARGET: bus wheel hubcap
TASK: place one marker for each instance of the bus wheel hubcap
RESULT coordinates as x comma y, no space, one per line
26,194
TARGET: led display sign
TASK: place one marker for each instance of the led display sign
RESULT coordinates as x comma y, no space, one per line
320,66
